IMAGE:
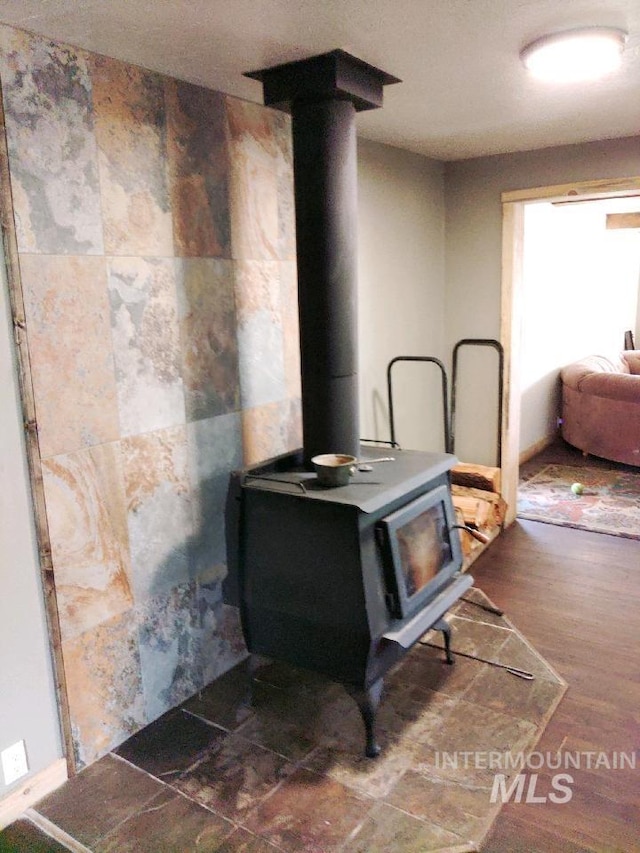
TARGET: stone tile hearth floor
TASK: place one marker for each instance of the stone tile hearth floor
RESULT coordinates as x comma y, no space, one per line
288,773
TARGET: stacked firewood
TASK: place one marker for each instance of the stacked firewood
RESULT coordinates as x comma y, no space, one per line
478,504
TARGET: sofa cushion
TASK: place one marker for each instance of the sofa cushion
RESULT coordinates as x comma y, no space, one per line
617,386
574,374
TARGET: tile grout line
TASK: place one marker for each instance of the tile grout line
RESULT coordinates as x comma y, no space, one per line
54,831
377,805
210,723
176,792
174,774
168,788
298,765
165,785
234,823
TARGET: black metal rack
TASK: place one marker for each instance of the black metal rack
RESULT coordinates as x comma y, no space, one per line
449,409
483,342
445,395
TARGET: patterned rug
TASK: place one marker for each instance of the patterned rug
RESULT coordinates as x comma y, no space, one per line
609,503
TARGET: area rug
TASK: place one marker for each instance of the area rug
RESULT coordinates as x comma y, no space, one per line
609,501
289,766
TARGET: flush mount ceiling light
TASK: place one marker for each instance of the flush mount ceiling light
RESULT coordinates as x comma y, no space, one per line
574,55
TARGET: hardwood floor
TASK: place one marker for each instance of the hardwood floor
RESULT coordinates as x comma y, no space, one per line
576,596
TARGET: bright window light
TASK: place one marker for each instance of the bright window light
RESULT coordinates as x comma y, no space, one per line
575,55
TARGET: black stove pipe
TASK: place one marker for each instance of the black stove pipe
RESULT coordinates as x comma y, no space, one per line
325,175
323,94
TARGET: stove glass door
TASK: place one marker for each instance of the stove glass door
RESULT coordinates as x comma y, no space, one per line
420,553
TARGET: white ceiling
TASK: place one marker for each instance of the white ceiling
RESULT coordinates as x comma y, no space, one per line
464,92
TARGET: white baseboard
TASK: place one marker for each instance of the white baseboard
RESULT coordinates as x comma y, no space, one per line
33,789
536,448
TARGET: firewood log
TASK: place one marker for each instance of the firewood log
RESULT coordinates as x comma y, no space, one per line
475,512
477,476
497,504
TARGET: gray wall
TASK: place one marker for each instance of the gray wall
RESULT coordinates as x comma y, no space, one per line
401,293
27,697
474,251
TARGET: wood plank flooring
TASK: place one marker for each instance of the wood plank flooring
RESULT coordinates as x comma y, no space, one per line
576,596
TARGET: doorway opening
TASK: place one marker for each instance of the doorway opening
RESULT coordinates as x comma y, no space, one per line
514,302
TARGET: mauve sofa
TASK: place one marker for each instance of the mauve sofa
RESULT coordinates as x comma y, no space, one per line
601,406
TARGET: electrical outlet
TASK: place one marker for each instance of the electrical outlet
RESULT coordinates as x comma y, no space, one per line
14,762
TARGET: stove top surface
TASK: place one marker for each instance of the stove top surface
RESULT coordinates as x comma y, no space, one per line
367,490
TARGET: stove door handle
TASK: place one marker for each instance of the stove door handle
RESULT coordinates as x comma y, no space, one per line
477,534
408,633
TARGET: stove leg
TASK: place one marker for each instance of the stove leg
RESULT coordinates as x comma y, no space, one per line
443,625
368,702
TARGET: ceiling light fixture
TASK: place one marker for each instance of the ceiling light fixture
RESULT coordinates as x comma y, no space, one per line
575,55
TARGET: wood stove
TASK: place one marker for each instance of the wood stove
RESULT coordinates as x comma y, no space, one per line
344,580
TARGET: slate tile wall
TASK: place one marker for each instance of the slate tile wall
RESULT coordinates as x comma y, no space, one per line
155,231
